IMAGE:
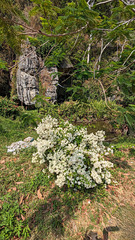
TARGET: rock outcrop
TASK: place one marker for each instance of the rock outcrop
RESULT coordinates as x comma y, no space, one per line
49,80
30,71
26,80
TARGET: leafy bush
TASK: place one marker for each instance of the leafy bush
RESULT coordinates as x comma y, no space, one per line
94,109
79,90
75,157
49,108
29,119
75,111
8,108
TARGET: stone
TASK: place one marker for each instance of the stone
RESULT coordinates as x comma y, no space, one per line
49,80
26,80
15,147
30,70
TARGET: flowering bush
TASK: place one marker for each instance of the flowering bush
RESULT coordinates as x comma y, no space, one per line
75,157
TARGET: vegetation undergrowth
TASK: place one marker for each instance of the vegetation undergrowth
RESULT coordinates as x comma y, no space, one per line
33,207
75,111
96,38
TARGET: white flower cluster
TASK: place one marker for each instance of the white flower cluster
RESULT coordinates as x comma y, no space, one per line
73,155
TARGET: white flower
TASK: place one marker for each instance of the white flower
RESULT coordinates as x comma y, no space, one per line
81,163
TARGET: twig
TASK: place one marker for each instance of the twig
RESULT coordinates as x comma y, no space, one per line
100,56
128,57
123,23
122,47
123,69
103,2
104,93
125,3
50,51
75,42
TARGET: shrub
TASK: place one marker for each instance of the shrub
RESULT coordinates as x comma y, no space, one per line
9,108
75,111
74,156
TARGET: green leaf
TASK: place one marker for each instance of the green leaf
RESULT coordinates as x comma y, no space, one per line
129,119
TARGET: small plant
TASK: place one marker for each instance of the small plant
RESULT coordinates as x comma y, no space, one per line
75,157
39,180
40,101
29,119
11,221
9,108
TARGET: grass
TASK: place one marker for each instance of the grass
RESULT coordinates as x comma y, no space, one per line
33,207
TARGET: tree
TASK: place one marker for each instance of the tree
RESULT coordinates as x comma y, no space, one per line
10,31
100,32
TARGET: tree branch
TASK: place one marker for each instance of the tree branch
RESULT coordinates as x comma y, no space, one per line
75,42
100,56
128,57
90,4
89,48
123,23
104,93
122,47
123,69
52,35
103,2
125,3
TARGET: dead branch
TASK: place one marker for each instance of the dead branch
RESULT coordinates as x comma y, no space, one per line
127,4
103,2
128,57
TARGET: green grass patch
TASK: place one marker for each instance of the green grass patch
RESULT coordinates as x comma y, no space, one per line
32,207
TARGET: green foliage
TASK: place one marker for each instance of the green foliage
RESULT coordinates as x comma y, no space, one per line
3,64
8,108
99,109
40,101
56,57
51,109
11,223
79,91
75,111
56,20
45,107
40,179
29,119
9,29
126,115
80,111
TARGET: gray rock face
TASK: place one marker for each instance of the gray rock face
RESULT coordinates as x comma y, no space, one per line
30,70
49,80
27,82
